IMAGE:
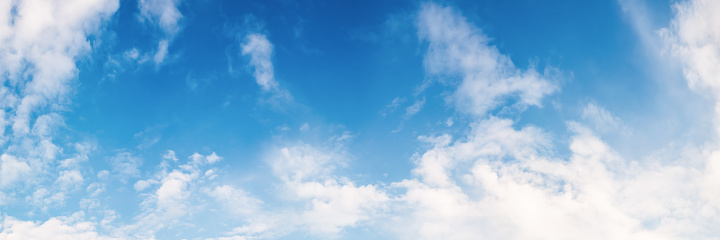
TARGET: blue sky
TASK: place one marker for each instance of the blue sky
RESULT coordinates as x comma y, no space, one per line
211,119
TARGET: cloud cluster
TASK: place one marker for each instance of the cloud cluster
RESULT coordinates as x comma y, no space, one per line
41,43
323,204
169,194
496,179
501,182
61,228
694,37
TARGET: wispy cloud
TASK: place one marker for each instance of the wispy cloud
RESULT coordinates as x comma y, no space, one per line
392,106
166,15
415,108
260,51
42,41
603,120
457,49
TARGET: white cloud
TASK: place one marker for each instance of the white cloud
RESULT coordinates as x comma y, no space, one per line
415,108
320,203
11,169
60,228
336,202
45,199
132,54
337,205
456,48
165,207
602,119
196,158
496,180
210,174
82,150
260,51
500,182
42,40
394,104
304,161
103,174
166,15
236,200
94,190
45,124
693,37
69,178
126,165
170,155
172,192
141,185
162,51
199,159
213,158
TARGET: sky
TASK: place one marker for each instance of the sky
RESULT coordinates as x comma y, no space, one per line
281,119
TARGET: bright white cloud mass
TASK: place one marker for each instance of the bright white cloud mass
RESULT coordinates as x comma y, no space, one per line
515,123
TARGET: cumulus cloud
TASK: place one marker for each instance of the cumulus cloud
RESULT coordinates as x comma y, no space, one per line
457,49
44,199
693,38
169,201
11,169
199,159
61,228
170,155
42,40
69,178
336,202
337,205
504,182
323,204
45,39
495,179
